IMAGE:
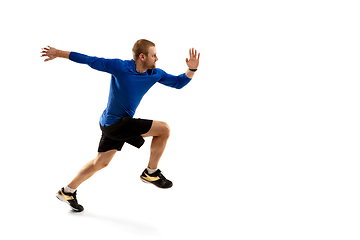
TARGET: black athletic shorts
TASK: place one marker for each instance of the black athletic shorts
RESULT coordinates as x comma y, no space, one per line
126,130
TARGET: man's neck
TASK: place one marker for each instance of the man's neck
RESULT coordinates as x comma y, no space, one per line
139,67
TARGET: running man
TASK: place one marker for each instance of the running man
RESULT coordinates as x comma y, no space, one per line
130,80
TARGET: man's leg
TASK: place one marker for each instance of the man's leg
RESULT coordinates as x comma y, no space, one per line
102,160
68,193
160,132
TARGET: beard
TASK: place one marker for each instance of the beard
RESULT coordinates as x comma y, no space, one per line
153,66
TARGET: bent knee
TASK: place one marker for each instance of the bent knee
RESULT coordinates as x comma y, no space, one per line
165,130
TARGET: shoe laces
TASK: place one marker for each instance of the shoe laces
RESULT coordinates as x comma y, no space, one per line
74,196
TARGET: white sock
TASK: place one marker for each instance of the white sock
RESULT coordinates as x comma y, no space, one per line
151,171
69,190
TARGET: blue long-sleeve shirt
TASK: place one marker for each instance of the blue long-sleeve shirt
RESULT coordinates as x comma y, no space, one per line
127,86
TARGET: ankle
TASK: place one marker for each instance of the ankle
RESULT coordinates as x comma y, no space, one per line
151,171
69,190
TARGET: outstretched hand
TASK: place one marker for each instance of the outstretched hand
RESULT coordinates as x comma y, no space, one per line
193,61
49,52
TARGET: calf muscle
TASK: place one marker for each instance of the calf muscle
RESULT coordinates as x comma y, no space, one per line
160,131
102,160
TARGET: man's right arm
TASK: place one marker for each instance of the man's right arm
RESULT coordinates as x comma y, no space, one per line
101,64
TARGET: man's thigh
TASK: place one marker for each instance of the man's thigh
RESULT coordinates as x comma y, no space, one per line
158,128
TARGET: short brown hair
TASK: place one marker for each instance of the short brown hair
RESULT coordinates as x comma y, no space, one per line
142,46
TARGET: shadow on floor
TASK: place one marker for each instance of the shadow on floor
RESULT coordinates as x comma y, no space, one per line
129,225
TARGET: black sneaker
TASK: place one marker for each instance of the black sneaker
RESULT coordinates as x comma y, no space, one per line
70,199
156,178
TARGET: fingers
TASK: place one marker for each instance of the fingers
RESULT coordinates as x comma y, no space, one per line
45,53
45,49
193,53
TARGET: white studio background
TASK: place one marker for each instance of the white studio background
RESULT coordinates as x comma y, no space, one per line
265,139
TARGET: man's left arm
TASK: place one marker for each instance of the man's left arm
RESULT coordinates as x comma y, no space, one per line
183,79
